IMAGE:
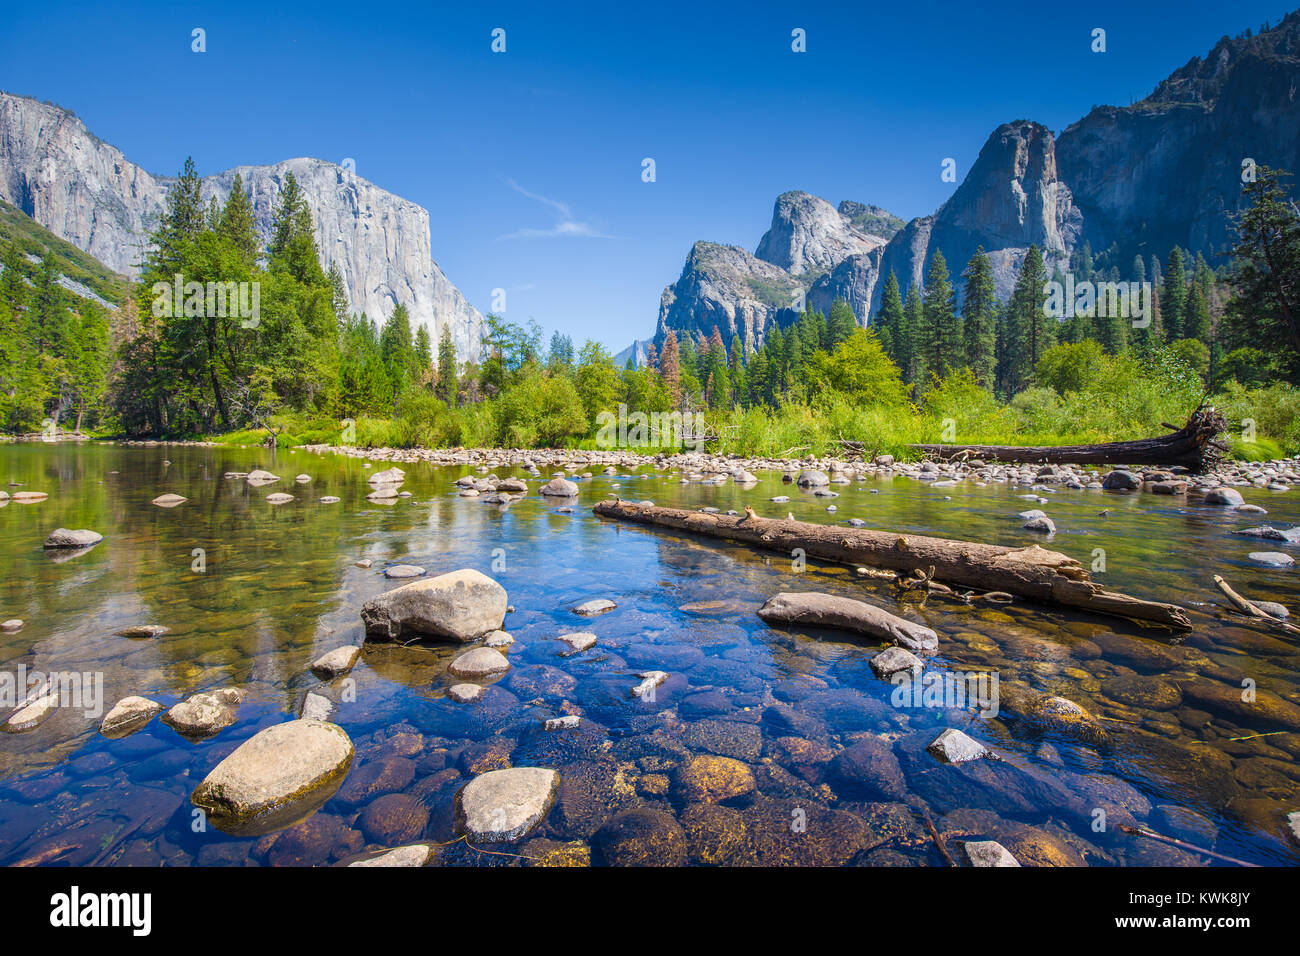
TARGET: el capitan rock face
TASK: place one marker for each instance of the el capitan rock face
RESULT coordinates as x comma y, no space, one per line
809,235
87,192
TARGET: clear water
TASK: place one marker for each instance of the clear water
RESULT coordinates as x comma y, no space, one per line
281,587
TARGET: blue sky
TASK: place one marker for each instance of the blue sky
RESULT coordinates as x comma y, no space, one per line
529,162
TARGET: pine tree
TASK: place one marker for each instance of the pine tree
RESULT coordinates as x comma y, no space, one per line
670,367
1174,298
839,324
912,325
979,316
938,339
889,321
237,223
1030,331
447,386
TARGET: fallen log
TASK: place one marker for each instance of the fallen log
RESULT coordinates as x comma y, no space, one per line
1032,572
1195,446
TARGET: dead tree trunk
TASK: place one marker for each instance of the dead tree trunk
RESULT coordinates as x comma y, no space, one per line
1193,446
1031,572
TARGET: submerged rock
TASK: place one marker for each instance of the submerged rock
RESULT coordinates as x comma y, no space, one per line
65,538
576,643
464,693
404,571
278,776
168,501
592,608
144,630
316,707
205,715
32,714
129,715
278,498
501,806
895,660
461,606
641,837
711,779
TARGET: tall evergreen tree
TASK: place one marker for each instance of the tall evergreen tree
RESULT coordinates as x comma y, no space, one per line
979,318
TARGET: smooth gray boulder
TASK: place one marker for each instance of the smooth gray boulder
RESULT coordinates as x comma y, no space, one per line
1041,525
1272,559
66,538
501,806
594,607
277,777
416,854
815,609
460,606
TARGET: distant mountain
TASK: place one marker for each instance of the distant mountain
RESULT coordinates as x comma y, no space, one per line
1128,180
87,193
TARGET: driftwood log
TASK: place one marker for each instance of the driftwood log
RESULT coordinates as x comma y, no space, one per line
1032,572
1195,446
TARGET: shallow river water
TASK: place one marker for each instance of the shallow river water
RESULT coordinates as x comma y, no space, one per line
840,772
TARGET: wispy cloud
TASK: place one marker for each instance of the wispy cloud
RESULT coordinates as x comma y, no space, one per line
565,225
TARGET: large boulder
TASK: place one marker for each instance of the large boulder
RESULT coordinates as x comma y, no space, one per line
460,606
1121,480
129,715
277,777
814,609
1227,497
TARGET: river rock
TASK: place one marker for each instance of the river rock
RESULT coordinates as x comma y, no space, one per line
895,660
316,707
641,837
168,501
953,746
398,571
207,714
144,630
1265,710
1225,497
461,606
559,488
393,818
707,778
592,608
65,538
13,624
988,853
650,680
813,609
502,806
336,662
129,715
498,639
1042,525
577,643
1272,559
464,693
258,475
32,714
278,498
390,476
1121,480
329,499
279,775
869,769
811,478
480,662
413,854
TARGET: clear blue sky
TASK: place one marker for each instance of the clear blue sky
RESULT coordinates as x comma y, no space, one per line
529,162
